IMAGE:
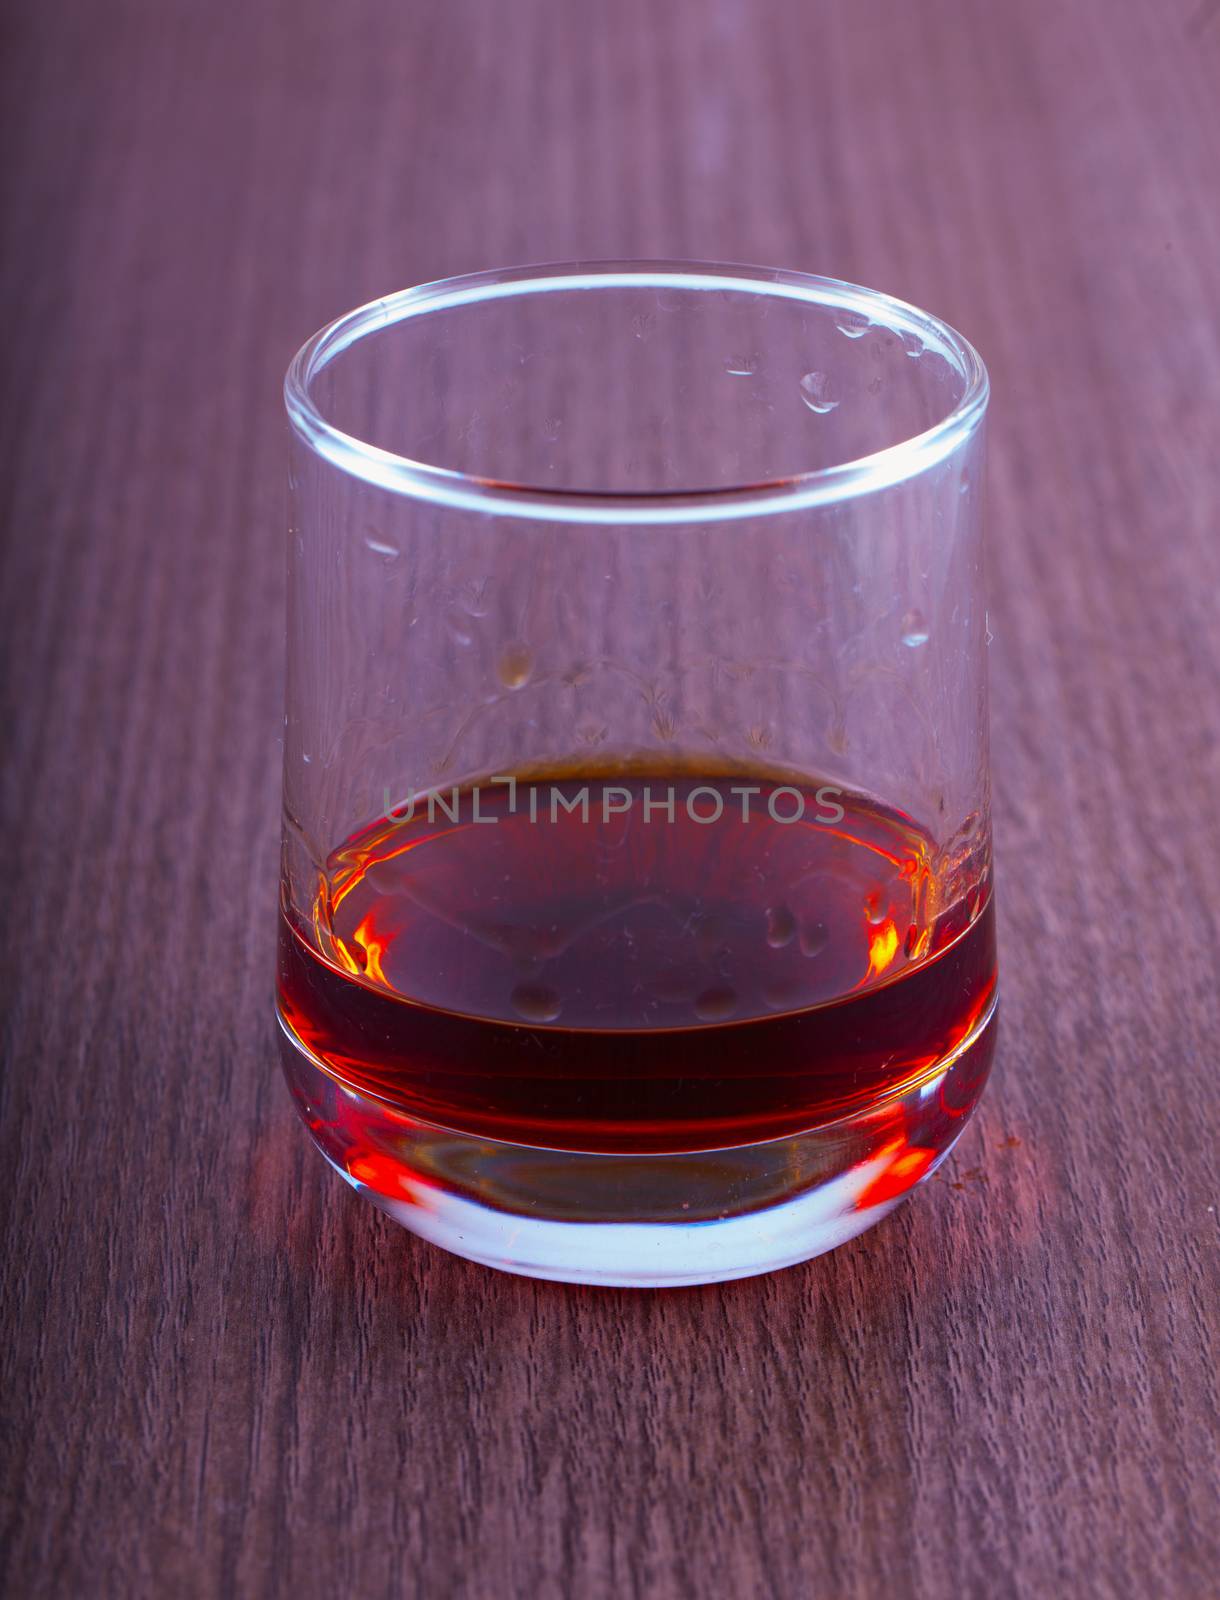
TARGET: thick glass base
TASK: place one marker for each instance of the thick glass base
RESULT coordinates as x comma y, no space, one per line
645,1220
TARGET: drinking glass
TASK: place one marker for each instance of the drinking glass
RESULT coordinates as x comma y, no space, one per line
636,915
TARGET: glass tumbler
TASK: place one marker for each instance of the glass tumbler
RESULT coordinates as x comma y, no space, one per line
636,916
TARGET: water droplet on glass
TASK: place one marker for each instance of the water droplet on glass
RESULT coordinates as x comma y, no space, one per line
814,387
459,628
915,629
710,938
781,927
716,1004
853,324
913,345
742,366
813,938
515,667
535,1002
377,542
782,995
474,598
875,908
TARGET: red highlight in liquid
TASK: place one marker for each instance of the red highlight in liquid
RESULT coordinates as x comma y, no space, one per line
616,976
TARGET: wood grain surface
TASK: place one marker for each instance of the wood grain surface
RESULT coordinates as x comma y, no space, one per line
225,1374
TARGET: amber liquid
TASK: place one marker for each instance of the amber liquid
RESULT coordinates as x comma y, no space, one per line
608,978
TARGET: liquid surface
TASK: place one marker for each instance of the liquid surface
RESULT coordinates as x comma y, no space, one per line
636,963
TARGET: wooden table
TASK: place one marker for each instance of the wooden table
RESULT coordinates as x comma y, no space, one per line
225,1373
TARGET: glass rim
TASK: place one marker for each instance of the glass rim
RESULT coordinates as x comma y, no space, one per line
882,469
